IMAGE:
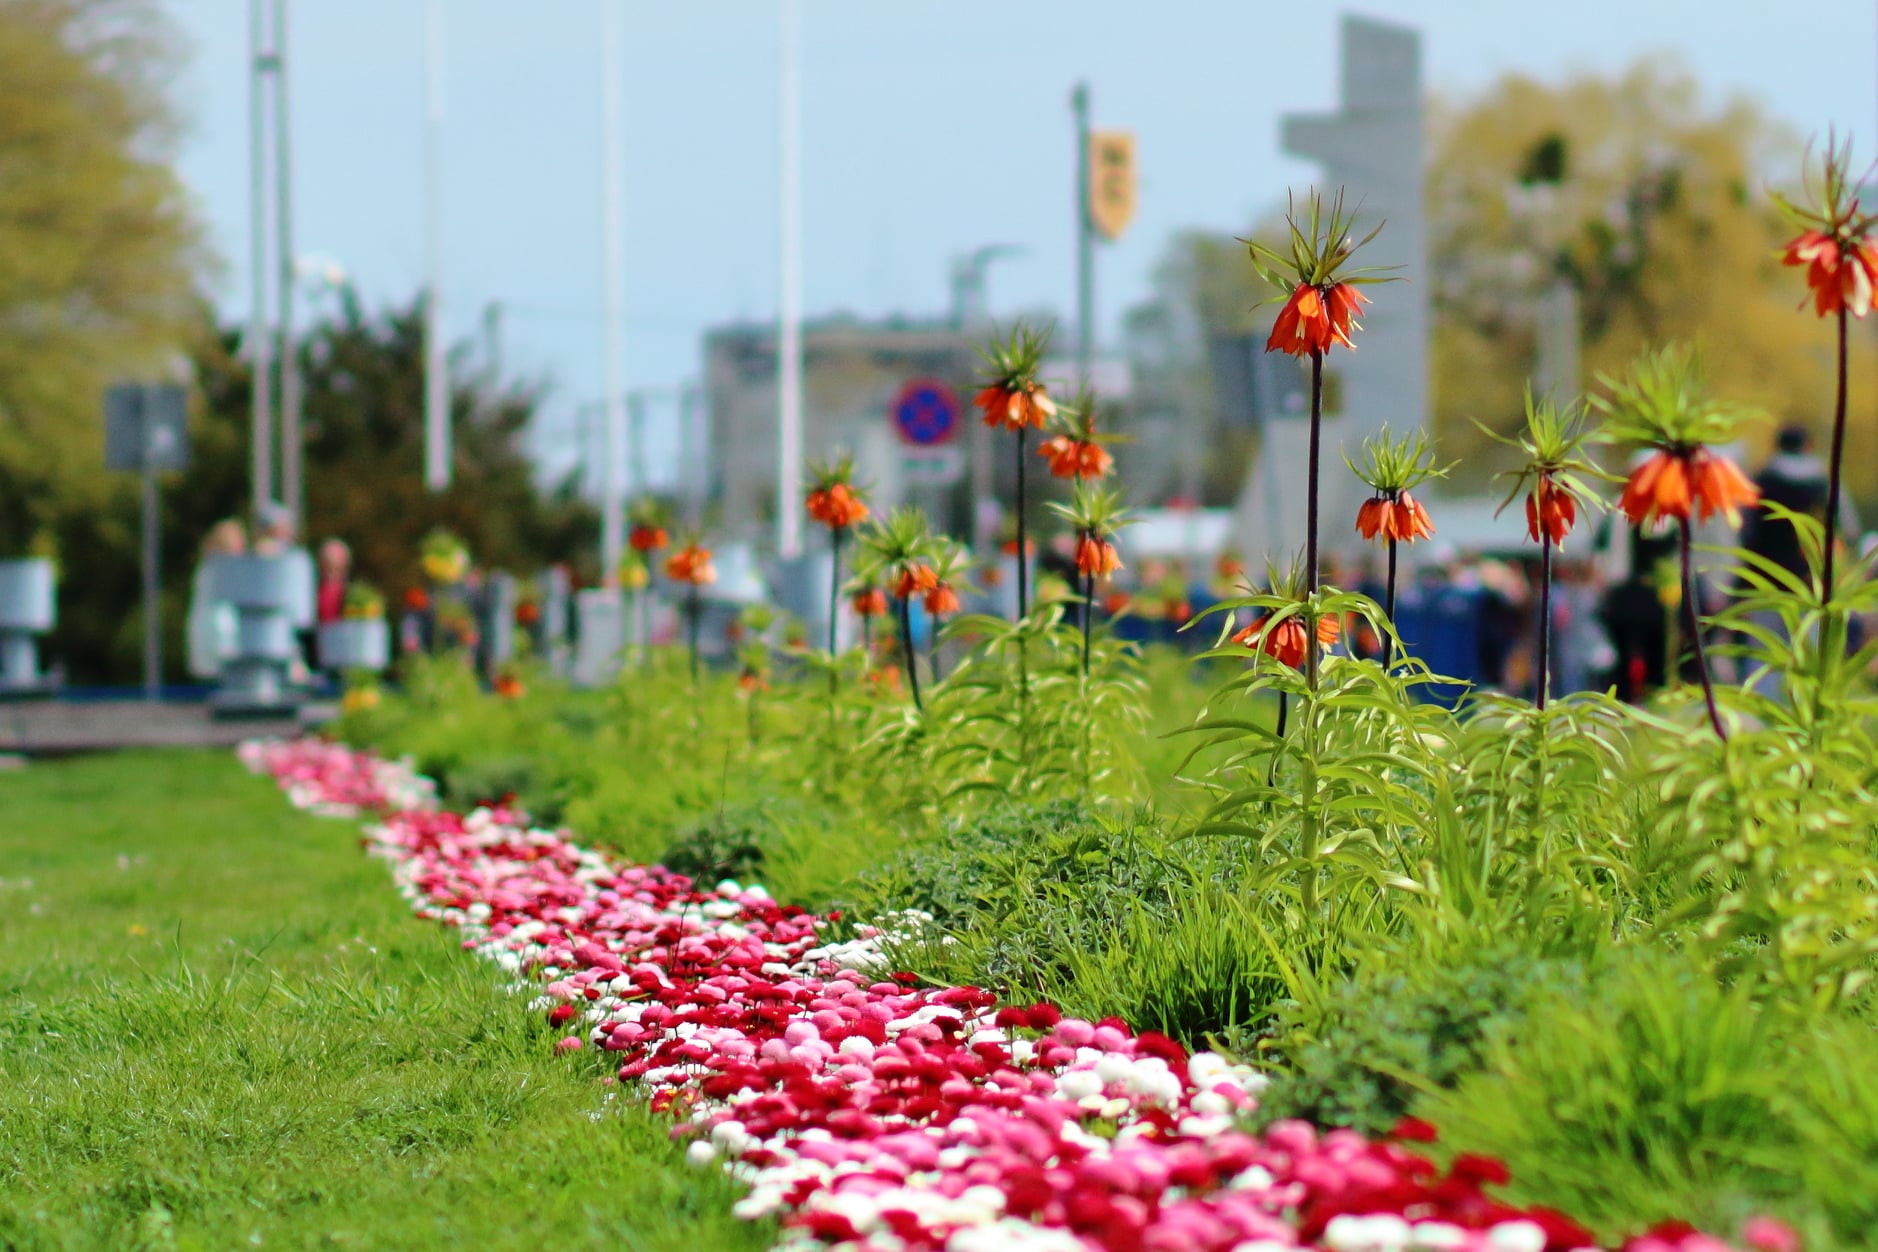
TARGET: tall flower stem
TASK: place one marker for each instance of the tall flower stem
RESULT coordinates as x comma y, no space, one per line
906,648
1023,565
1310,498
834,585
1388,610
1545,613
1310,512
1695,629
1838,455
1088,611
694,610
932,648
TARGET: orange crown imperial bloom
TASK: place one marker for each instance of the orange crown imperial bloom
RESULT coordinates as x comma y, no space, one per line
1097,556
1403,520
870,602
1075,458
1671,484
1014,408
692,565
837,507
1285,642
1550,509
647,538
1316,317
1841,277
942,599
508,687
914,580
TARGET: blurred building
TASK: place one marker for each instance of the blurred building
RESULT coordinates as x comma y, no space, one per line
854,371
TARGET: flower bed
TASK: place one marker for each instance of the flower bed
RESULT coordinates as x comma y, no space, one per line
870,1113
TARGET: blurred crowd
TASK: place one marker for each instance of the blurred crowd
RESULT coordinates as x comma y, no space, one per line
1618,622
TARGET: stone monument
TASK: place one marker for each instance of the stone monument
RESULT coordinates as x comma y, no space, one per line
1372,148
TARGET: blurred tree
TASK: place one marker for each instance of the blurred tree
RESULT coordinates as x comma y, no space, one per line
1652,207
364,423
99,249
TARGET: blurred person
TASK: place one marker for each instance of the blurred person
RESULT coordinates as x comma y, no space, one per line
1794,479
275,535
1581,650
212,622
335,573
1504,625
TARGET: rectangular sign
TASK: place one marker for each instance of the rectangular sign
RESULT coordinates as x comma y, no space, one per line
937,466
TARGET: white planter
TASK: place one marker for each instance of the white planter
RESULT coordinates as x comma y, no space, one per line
265,637
26,599
255,583
355,643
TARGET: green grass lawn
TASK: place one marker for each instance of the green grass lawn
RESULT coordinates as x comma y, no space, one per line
220,1027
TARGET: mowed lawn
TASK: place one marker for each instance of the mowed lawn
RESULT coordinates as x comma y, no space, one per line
220,1027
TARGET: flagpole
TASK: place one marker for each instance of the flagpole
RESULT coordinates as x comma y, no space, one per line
612,279
437,450
789,328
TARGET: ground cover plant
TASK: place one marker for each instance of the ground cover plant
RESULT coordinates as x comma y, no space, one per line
1623,953
218,1029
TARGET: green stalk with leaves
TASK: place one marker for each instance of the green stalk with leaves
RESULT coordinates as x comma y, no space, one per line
1557,476
1390,467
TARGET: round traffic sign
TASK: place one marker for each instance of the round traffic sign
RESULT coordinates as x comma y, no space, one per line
926,412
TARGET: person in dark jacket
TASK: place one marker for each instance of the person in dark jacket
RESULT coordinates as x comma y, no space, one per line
1794,479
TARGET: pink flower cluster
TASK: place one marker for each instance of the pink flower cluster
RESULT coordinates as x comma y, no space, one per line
870,1113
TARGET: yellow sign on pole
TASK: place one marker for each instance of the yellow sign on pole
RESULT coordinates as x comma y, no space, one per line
1111,181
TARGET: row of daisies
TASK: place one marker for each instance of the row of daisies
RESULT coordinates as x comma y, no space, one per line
869,1112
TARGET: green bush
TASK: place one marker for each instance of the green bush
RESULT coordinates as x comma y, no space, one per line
1654,1091
1361,1055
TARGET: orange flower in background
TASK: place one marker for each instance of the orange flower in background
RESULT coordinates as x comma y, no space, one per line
1178,611
1672,484
942,599
527,613
1075,458
1402,519
1229,568
1314,318
1840,274
1286,641
750,681
416,599
647,538
691,564
1116,603
1014,408
913,580
1551,509
508,687
870,602
837,507
1097,556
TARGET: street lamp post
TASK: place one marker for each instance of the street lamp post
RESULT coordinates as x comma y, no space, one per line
789,313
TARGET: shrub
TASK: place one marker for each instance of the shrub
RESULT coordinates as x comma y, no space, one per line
1657,1092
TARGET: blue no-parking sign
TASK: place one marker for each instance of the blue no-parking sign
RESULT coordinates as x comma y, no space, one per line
926,413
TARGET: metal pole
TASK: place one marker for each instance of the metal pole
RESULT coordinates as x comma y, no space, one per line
689,487
437,451
292,472
152,603
789,328
260,352
636,442
1085,242
612,281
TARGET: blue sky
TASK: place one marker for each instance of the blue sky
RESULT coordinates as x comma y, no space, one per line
929,129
